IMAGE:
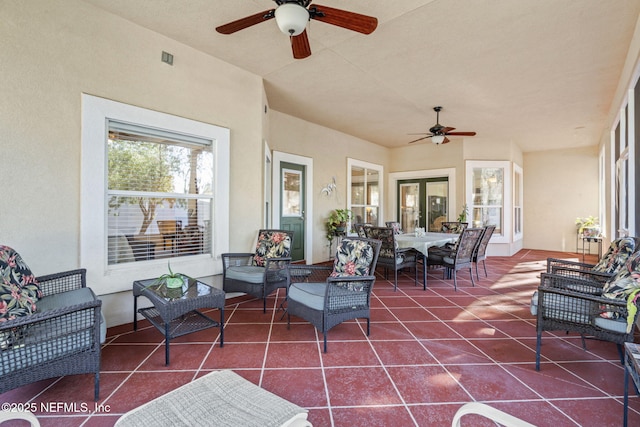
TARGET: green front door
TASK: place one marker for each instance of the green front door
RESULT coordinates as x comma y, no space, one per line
293,198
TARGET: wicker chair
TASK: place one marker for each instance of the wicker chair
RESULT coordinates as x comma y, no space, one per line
616,257
573,304
260,273
397,229
359,228
326,296
480,253
60,337
461,257
391,256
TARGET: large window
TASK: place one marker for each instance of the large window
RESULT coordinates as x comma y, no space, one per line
365,184
490,191
154,191
159,194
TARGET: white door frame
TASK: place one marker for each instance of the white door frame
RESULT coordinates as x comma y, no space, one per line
278,158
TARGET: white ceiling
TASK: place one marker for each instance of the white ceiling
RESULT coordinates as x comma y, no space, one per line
541,73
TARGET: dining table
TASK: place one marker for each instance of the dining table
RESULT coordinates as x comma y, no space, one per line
423,242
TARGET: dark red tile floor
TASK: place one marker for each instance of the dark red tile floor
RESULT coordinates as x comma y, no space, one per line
429,352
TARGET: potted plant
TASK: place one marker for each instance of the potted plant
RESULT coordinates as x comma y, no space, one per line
463,214
588,226
171,280
337,222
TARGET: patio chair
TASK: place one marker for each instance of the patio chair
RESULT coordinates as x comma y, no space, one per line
448,248
50,326
262,272
454,227
391,256
480,253
461,257
359,228
395,225
609,313
616,256
327,296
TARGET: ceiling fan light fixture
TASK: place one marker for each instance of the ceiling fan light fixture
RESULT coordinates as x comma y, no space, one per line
437,139
292,18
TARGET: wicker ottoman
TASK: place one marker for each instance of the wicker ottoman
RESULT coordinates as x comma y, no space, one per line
221,398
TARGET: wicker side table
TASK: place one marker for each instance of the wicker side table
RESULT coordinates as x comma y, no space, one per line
175,311
631,368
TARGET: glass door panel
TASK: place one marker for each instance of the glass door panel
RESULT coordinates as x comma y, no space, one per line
409,206
438,204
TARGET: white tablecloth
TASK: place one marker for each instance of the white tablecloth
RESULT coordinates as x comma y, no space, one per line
423,243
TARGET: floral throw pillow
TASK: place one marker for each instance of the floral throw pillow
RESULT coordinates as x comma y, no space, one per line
19,290
624,284
271,244
617,255
353,258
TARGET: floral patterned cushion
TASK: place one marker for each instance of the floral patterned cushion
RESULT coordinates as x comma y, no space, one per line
624,284
353,258
454,227
271,244
19,290
616,256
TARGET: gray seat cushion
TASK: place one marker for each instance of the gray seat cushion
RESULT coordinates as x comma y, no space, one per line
246,273
563,307
615,325
310,294
69,298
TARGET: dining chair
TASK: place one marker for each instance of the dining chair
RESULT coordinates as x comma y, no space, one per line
326,296
391,255
261,272
480,253
395,225
461,258
169,229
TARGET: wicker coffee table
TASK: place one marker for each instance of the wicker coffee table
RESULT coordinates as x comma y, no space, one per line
175,311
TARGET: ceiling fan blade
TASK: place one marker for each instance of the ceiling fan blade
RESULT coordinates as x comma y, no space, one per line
246,22
461,133
420,133
445,140
350,20
300,45
419,139
446,130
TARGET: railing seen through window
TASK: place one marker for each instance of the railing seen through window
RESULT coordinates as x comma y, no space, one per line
159,196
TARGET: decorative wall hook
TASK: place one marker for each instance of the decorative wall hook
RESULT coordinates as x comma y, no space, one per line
329,188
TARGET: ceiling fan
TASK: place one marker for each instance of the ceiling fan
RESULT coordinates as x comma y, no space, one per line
292,17
439,133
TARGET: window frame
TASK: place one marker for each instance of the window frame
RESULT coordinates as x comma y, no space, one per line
351,163
104,278
505,235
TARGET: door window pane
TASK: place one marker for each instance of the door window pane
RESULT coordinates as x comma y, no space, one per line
292,193
409,206
438,204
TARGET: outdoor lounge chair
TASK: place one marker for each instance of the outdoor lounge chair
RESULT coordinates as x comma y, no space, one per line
573,304
262,272
50,326
327,296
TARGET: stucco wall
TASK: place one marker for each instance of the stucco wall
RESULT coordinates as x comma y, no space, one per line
559,186
54,51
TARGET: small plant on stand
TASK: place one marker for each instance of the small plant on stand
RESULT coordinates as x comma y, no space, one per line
588,226
337,223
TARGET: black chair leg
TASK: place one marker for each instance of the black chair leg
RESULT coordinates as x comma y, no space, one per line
484,265
471,274
538,345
